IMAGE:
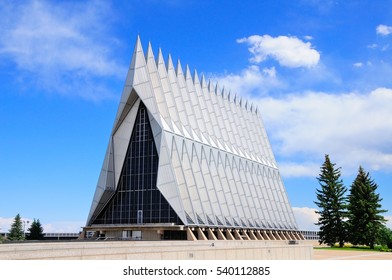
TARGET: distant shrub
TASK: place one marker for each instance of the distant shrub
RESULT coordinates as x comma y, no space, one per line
384,237
385,249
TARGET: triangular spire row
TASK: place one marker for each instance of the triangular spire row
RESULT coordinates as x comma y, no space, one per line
187,73
138,52
160,58
150,53
196,128
203,81
179,68
169,63
223,93
196,77
211,86
217,90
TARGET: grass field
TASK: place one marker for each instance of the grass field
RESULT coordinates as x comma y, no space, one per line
356,248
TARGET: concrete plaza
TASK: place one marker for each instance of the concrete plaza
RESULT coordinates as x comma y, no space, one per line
327,254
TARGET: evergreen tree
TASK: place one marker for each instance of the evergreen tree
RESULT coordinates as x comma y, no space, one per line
384,237
332,204
16,231
36,231
365,219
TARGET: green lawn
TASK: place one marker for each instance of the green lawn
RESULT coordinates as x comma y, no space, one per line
355,248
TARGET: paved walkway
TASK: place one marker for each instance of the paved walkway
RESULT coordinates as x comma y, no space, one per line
321,254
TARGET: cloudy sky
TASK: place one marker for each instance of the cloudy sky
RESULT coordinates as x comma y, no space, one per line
319,71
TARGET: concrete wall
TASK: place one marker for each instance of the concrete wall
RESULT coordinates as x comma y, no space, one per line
156,250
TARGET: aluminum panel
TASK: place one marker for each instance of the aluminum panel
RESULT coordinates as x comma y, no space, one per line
216,167
201,186
249,191
101,185
156,131
190,180
181,182
170,192
121,139
166,182
229,191
210,187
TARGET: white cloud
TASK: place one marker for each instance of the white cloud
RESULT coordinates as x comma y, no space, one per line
5,224
353,128
389,221
60,45
306,218
299,169
385,47
51,227
250,79
322,6
288,51
64,226
358,64
384,30
372,46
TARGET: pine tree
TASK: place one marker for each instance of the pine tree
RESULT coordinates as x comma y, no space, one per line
36,231
16,232
365,219
332,204
384,237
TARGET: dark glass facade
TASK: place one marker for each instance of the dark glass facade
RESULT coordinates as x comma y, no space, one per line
137,199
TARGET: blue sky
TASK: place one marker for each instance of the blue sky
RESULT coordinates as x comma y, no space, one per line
320,72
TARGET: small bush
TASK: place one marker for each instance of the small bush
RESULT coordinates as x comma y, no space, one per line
385,237
385,249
